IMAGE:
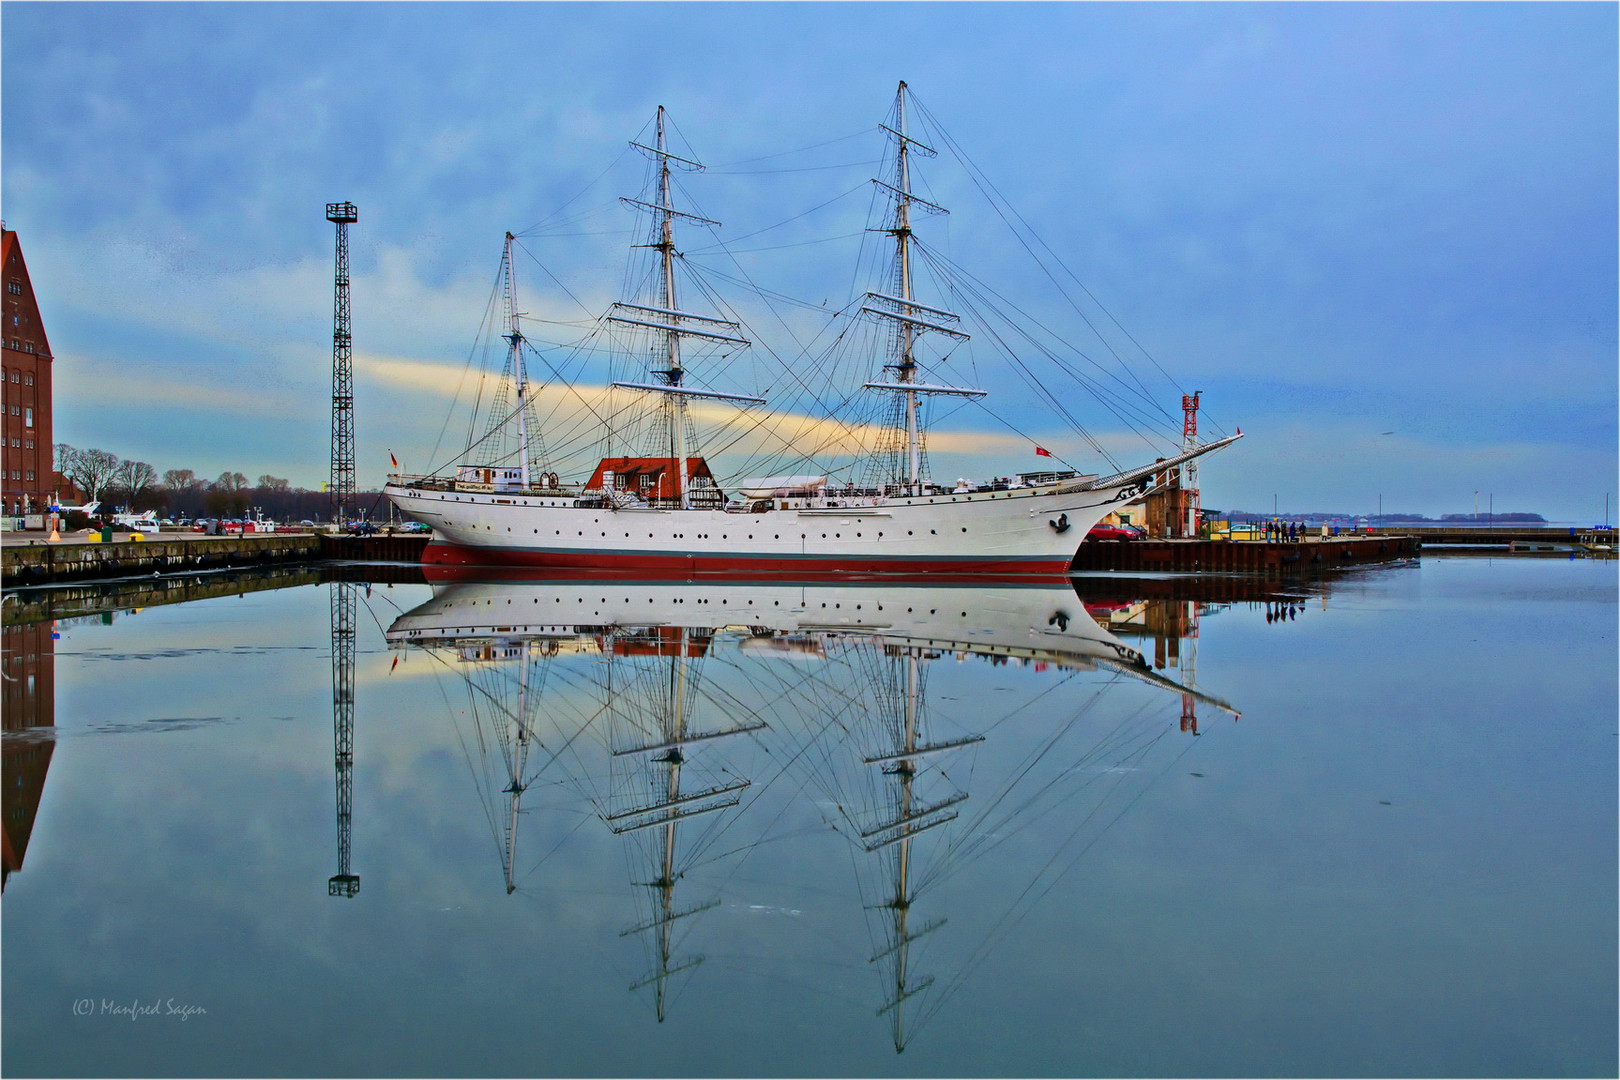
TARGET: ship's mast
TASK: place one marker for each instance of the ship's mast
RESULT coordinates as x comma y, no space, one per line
912,318
672,338
907,372
665,317
514,338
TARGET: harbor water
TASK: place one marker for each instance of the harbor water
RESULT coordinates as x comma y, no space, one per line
1161,825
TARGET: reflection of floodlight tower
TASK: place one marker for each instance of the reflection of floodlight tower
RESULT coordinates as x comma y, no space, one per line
343,883
1189,471
342,215
1189,669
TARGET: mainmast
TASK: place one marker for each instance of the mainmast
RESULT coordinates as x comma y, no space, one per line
666,317
672,338
907,372
911,317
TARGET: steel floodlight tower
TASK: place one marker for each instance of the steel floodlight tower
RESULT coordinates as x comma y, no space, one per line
342,214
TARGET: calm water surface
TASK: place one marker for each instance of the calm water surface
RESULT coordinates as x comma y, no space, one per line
619,830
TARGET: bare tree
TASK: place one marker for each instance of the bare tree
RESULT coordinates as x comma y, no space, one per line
65,456
89,470
177,480
231,487
274,483
133,479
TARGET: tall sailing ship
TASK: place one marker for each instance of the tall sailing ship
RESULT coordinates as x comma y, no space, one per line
662,508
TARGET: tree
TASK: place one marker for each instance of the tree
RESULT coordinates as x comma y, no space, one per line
177,480
274,483
133,479
229,494
89,470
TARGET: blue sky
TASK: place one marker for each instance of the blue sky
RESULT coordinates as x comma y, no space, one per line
1336,220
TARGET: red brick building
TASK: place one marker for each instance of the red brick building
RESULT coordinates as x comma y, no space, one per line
26,454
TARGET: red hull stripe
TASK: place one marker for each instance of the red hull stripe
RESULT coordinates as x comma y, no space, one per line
731,564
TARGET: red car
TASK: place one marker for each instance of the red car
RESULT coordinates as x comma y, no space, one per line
1102,531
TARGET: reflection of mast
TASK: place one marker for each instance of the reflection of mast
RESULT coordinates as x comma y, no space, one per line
343,883
664,757
909,819
520,756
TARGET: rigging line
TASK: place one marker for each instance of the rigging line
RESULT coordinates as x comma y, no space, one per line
1002,927
787,221
534,259
611,165
785,153
982,181
494,831
563,839
1036,384
786,368
978,836
489,307
806,168
761,292
777,247
948,269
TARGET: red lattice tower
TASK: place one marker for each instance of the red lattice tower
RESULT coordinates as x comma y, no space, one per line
1189,474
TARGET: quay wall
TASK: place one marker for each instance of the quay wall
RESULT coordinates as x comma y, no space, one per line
33,564
77,560
1243,556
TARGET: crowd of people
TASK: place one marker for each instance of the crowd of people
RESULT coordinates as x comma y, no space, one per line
1284,532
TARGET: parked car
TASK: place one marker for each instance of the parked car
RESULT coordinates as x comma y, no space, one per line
416,527
1103,531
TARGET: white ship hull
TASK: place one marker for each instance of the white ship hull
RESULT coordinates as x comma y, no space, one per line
1033,530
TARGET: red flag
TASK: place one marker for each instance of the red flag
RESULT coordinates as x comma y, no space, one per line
1042,451
393,459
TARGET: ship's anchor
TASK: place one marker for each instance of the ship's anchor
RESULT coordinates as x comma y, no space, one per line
1059,620
1061,524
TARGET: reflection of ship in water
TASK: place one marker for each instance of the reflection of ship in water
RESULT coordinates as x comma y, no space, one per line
834,685
28,696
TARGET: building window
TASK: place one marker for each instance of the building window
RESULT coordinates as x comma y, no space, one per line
30,476
13,376
14,288
28,444
29,412
28,380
